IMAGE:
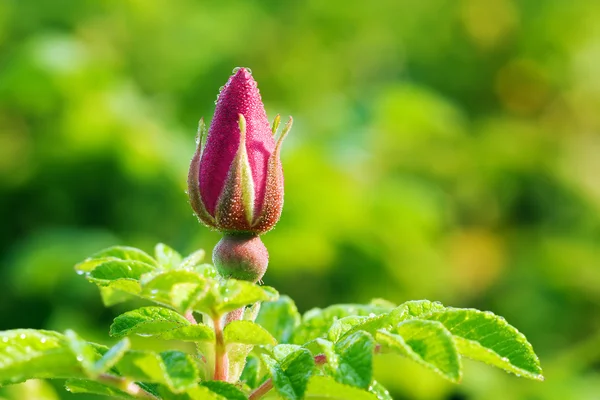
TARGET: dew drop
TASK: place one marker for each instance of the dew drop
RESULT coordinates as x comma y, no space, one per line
249,70
80,272
371,315
22,336
80,358
154,291
221,89
226,299
236,69
43,340
5,339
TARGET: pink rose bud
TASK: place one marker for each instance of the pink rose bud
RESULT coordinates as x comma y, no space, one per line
236,181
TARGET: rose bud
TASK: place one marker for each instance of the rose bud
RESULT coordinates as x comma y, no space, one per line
235,183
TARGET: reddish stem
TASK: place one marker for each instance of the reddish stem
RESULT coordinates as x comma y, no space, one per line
221,360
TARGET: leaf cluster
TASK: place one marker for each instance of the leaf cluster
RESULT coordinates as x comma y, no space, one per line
272,349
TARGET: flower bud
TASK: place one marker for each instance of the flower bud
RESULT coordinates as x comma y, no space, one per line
235,183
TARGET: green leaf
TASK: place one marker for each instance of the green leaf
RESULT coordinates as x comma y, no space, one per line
343,325
251,375
227,390
290,375
112,254
93,387
28,354
355,359
280,318
190,333
232,294
326,388
197,392
486,337
173,368
180,368
147,321
167,257
85,353
380,391
426,342
111,296
120,275
193,260
413,309
177,288
317,322
247,332
112,356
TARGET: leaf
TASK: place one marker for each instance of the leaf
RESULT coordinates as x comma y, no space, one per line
486,337
176,288
111,296
146,321
414,309
316,322
114,253
343,325
112,356
192,260
426,342
28,354
326,388
93,387
290,376
380,391
231,294
85,354
227,390
279,317
180,368
190,333
120,275
247,332
33,389
252,371
173,368
166,257
355,359
198,392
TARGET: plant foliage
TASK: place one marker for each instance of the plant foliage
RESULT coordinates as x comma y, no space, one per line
325,353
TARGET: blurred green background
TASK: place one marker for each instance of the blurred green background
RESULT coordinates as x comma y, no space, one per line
442,149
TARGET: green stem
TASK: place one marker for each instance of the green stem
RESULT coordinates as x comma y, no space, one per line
221,360
125,385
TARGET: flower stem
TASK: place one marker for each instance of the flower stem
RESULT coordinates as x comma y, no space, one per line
221,360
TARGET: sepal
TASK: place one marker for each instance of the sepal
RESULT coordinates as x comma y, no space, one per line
273,202
193,183
235,207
